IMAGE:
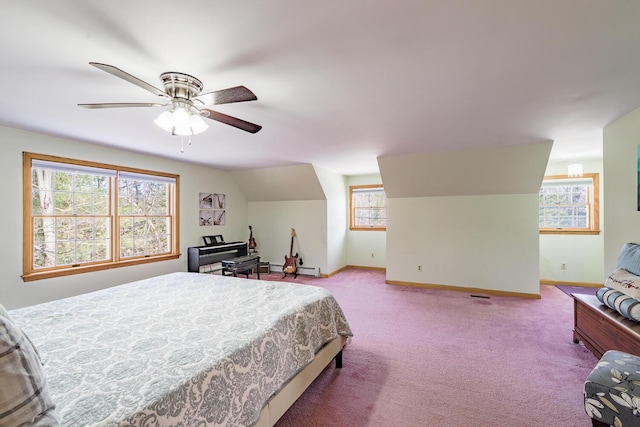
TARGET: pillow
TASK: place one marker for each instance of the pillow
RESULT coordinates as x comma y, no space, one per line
624,304
24,395
623,281
4,313
629,258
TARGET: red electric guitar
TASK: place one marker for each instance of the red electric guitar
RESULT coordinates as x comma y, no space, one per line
291,262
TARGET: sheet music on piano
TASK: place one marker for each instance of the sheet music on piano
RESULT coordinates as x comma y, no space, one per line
216,239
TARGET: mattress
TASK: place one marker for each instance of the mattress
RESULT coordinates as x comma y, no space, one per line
178,349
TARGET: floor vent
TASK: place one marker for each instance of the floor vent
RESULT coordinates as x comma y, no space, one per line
480,296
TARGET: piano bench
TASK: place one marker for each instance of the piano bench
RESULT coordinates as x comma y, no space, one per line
242,265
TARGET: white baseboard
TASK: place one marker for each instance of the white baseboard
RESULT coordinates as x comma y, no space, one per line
307,271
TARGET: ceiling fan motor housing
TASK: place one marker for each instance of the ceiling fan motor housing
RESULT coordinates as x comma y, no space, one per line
180,85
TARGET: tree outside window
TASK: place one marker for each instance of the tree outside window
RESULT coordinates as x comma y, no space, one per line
83,216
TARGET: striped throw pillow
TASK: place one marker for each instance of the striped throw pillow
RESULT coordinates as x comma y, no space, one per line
628,306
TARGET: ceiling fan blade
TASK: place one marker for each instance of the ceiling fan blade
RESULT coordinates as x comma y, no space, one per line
226,96
122,105
128,77
232,121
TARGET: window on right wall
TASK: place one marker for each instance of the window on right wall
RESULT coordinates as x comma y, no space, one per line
569,205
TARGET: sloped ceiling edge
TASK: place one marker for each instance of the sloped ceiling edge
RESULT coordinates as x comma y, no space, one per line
298,182
513,169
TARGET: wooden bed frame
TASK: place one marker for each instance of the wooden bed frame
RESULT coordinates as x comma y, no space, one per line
290,392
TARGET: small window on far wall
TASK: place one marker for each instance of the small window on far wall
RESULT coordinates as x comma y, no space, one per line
368,207
569,205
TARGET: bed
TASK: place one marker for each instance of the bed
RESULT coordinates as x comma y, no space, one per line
184,349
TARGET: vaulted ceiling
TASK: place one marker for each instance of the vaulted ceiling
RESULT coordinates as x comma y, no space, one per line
339,83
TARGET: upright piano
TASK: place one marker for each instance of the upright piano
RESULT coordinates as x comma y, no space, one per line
214,251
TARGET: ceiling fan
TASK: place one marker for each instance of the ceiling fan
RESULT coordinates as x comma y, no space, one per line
186,106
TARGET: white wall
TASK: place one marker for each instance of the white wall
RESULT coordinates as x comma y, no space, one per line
337,223
622,219
362,243
193,179
469,217
282,198
484,242
583,254
272,223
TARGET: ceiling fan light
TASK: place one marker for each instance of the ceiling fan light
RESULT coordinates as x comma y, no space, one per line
181,118
197,124
165,121
179,121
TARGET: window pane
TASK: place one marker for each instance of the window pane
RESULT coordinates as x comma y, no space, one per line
85,251
126,227
63,203
62,181
101,204
43,242
83,183
65,253
65,228
126,247
83,203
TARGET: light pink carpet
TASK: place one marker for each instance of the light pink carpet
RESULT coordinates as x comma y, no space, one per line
434,358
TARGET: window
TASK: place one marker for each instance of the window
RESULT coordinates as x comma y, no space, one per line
368,206
569,205
83,216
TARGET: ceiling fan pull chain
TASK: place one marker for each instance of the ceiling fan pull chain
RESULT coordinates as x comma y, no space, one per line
182,144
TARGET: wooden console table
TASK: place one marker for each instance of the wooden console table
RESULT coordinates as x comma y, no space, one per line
601,328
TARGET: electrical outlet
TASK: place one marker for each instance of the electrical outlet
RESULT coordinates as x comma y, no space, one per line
420,268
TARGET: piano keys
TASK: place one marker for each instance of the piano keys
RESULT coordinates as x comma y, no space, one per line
198,256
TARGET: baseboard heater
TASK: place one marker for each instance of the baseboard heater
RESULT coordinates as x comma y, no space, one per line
307,271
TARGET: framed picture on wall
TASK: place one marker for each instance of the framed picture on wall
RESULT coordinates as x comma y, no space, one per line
206,201
218,217
206,217
219,201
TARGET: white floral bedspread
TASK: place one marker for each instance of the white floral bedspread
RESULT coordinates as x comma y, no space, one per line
183,349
